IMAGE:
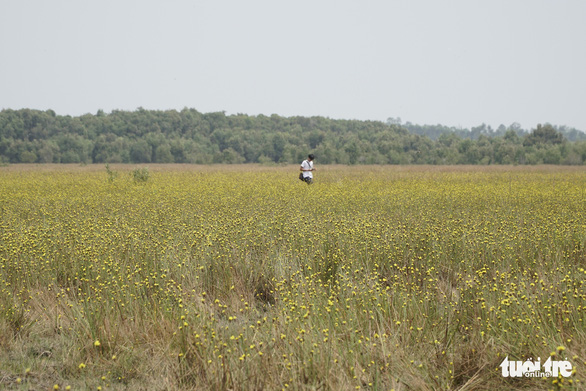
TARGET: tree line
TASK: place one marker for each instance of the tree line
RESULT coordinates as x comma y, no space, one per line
189,136
435,131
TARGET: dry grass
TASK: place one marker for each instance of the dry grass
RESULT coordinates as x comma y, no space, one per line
242,277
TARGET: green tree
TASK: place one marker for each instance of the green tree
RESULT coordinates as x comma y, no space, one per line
48,151
541,135
163,154
140,152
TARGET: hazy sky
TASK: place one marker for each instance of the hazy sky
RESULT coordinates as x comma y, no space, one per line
453,62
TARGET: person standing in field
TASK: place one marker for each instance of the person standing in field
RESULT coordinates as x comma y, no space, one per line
307,169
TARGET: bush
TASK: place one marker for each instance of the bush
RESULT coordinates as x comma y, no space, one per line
140,175
111,174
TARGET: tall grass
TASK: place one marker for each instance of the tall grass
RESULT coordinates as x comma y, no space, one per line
244,278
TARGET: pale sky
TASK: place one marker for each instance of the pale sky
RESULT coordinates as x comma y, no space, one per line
454,62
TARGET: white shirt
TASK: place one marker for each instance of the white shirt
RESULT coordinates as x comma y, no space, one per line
307,165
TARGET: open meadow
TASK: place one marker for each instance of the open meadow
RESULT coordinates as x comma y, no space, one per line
241,277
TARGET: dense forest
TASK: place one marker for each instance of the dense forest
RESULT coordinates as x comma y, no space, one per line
188,136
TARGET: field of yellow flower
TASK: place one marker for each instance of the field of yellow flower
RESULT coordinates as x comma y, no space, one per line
243,277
